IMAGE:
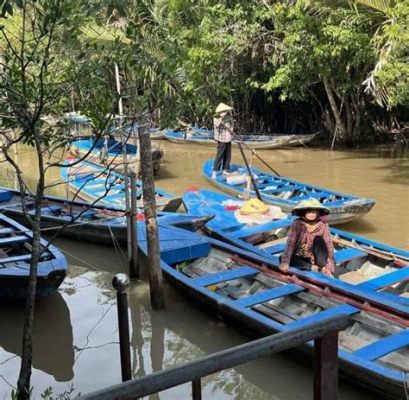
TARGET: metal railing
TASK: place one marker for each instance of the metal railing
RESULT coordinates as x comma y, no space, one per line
325,336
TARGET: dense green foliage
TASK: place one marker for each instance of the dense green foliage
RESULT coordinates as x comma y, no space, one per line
303,66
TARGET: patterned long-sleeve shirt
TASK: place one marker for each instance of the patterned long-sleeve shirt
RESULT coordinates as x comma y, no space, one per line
300,242
223,129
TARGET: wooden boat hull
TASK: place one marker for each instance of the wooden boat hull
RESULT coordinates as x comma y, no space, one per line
15,263
344,208
292,139
360,261
245,310
114,157
98,225
97,185
252,141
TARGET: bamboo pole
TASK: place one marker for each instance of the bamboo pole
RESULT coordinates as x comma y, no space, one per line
149,203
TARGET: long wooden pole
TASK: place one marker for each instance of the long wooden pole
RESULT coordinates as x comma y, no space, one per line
149,203
133,262
249,171
126,170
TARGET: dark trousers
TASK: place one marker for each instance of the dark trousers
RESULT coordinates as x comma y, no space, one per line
320,251
223,156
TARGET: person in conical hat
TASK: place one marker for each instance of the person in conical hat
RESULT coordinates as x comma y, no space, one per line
309,244
223,135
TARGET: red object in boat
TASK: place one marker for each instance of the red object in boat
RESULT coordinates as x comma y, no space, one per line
140,217
231,208
192,188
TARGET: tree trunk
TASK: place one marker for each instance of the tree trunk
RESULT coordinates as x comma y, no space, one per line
23,384
339,124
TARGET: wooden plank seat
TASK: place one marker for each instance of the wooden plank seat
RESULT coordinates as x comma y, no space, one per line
51,209
386,279
6,231
348,254
384,346
285,188
24,257
308,195
336,203
219,277
14,239
269,294
344,309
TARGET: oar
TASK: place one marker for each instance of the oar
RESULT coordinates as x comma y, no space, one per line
249,171
240,140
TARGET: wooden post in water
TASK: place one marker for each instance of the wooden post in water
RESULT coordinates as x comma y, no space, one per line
149,204
326,367
121,283
133,261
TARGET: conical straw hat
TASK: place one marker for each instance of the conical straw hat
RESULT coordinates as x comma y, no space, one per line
310,204
223,107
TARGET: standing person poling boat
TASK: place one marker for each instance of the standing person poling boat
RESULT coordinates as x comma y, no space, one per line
223,135
309,244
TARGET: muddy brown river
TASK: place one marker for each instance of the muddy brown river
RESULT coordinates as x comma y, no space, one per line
76,336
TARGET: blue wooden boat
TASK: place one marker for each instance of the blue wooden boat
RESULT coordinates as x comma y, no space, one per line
15,257
287,193
359,261
78,125
249,290
96,224
294,139
155,132
95,184
252,141
110,152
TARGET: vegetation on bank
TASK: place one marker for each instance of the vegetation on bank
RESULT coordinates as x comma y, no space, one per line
297,66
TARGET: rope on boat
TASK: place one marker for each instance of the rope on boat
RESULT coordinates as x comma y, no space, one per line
93,267
116,244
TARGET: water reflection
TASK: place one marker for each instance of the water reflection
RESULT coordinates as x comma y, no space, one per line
53,351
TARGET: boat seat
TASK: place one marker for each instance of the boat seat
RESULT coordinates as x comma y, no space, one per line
24,257
386,279
336,203
228,275
84,177
384,346
308,195
269,294
51,209
343,309
14,239
88,214
285,188
348,254
6,231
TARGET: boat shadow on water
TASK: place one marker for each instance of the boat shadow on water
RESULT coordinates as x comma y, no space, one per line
49,337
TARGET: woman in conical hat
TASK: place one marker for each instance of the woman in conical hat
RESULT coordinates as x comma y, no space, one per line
309,244
223,135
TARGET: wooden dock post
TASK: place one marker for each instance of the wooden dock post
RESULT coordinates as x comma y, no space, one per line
121,283
149,203
326,367
133,261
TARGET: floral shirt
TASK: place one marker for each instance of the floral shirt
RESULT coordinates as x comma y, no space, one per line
300,241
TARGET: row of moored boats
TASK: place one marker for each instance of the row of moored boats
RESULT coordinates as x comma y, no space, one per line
228,260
